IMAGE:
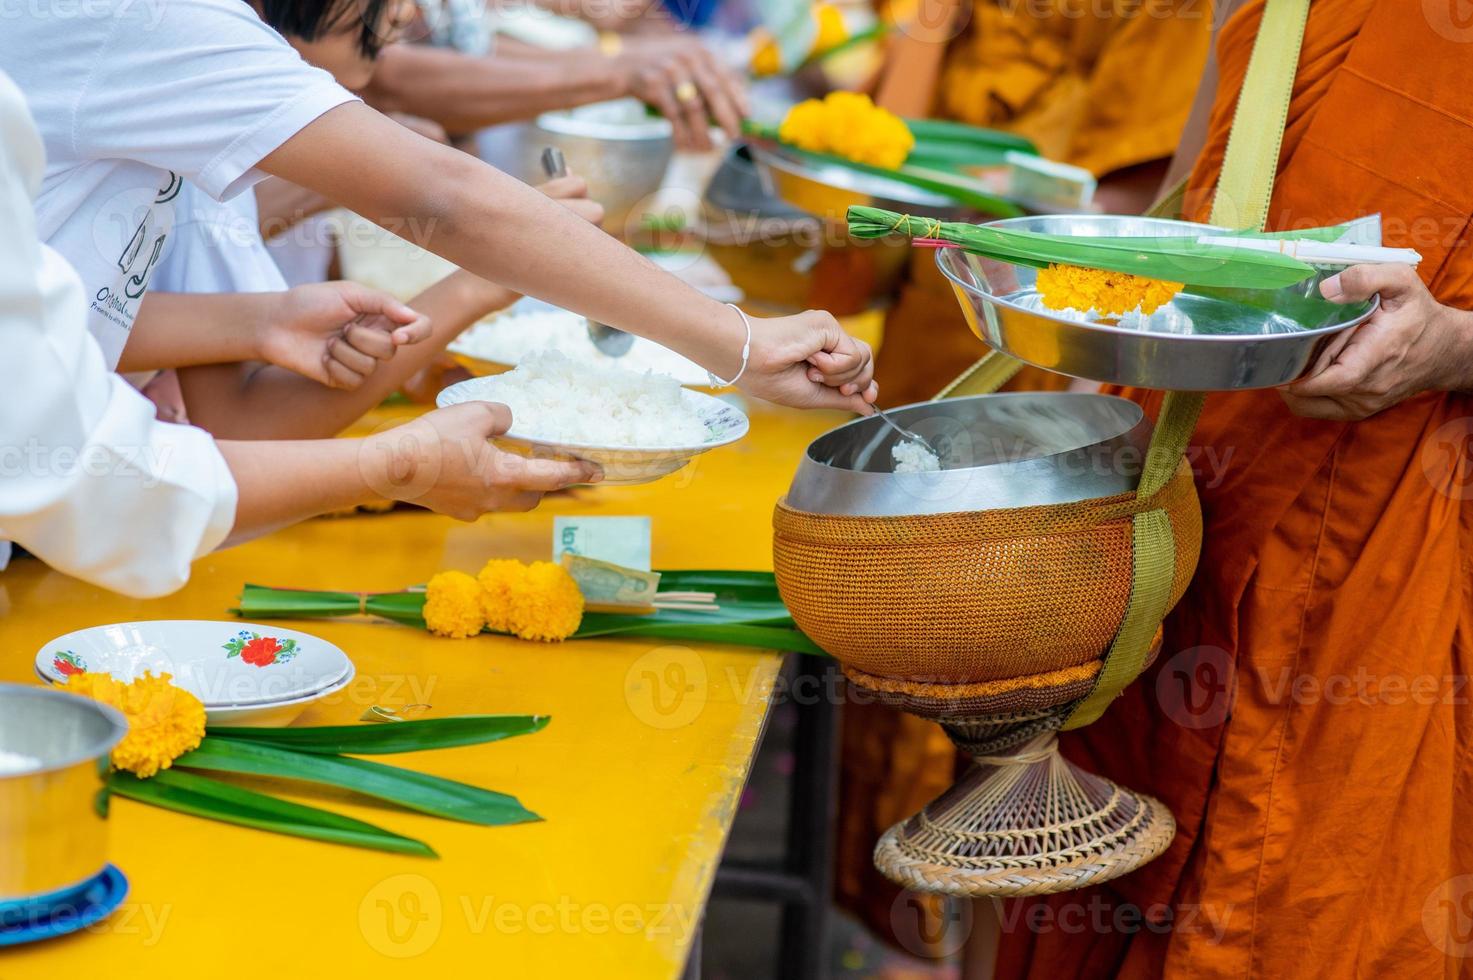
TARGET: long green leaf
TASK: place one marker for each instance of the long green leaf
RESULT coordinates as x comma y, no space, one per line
956,186
202,796
264,602
1173,258
415,790
403,736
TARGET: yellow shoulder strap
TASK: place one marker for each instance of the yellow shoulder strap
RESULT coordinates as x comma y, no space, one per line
1241,201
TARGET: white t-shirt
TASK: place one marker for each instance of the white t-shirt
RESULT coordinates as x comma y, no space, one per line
90,481
216,247
131,99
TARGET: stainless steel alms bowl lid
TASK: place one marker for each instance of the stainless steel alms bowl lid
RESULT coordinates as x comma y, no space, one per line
1017,449
59,729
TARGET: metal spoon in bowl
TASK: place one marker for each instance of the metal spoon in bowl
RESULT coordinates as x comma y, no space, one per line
611,341
905,433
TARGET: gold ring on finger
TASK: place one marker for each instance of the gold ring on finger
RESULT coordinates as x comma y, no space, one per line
686,91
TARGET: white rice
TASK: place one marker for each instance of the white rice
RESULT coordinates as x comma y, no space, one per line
910,456
554,398
13,763
523,331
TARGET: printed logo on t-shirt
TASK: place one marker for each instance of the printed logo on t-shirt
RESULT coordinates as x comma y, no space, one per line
152,220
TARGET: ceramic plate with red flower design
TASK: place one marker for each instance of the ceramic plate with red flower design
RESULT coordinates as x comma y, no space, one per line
223,664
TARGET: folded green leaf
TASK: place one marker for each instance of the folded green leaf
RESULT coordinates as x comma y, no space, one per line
415,790
1173,258
202,796
407,736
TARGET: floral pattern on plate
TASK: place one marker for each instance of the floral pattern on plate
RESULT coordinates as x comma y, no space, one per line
68,664
258,650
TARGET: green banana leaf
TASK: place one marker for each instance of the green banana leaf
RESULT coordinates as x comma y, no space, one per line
927,174
1173,259
415,790
751,612
405,736
201,796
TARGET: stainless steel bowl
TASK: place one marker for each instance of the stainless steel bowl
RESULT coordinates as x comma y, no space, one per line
51,821
784,259
1018,449
617,148
1203,340
828,191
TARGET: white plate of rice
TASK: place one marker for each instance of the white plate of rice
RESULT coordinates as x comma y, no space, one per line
639,426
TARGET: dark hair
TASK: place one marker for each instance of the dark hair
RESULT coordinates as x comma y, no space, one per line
311,19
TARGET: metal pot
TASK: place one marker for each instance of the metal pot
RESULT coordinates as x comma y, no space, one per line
53,840
1018,449
615,146
1203,340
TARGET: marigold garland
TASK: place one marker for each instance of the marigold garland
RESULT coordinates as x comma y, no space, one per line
1107,293
540,601
453,605
499,579
849,125
164,721
548,606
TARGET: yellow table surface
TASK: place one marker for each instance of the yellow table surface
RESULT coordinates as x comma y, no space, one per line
637,777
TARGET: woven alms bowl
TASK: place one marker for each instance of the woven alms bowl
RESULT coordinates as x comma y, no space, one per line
973,597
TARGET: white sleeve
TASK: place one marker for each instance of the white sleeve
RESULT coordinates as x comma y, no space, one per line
90,482
202,88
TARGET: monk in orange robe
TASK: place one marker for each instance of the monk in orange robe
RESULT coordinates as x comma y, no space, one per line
1102,84
1308,721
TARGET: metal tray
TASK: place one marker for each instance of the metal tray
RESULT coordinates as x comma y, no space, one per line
828,191
1203,340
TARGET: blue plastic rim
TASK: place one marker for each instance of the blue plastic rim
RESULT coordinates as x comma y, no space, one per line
691,13
69,910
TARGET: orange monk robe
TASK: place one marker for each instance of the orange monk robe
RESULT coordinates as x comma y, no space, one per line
1104,84
1308,721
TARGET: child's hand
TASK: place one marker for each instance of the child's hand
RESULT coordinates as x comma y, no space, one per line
336,333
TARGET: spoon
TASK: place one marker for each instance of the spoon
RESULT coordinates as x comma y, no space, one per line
611,341
905,433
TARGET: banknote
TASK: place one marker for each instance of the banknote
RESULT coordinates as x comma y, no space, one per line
623,541
606,586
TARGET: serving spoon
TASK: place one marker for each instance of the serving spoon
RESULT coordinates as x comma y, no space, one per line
611,341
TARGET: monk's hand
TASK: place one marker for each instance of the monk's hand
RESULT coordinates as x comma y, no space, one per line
1411,344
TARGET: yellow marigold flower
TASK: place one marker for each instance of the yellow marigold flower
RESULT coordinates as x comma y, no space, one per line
547,605
767,57
832,31
499,579
164,721
849,125
453,605
1075,287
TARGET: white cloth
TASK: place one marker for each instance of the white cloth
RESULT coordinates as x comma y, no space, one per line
90,482
216,247
133,98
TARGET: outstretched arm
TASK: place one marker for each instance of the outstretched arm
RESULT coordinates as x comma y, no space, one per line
507,232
